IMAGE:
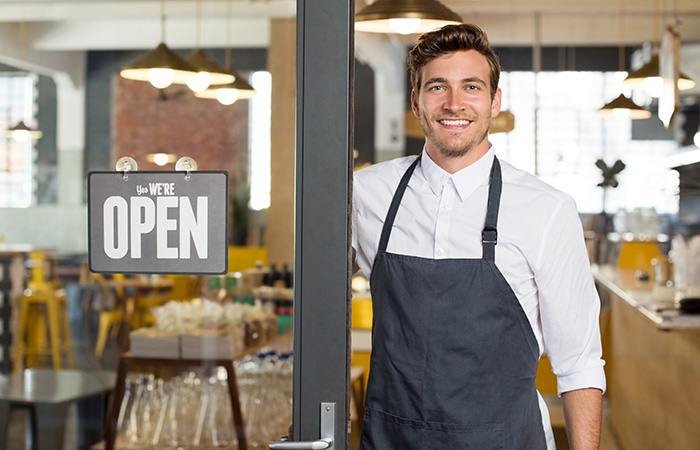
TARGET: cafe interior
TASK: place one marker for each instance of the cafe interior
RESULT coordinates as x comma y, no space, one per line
600,99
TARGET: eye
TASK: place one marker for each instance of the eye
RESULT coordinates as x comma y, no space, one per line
436,88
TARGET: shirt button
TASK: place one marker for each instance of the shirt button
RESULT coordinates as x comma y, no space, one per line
445,206
440,252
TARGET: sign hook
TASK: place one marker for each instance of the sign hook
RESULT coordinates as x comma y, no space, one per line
126,164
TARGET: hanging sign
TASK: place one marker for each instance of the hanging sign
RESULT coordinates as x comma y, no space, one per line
158,222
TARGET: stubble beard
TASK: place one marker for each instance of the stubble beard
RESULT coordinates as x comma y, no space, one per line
440,144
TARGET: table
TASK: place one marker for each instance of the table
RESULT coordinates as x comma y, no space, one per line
131,292
49,393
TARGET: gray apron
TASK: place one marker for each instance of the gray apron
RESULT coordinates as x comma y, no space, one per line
454,357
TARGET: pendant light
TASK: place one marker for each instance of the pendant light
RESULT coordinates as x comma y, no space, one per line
404,16
161,67
22,133
208,71
623,107
239,89
648,77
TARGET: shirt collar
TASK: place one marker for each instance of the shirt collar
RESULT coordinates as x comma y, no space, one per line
465,181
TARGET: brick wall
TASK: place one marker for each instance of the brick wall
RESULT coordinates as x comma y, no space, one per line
146,120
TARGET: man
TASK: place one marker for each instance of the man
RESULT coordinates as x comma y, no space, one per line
476,269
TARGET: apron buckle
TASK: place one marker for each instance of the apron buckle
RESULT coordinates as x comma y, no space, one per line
492,237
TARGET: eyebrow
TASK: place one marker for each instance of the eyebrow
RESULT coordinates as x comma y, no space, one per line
444,80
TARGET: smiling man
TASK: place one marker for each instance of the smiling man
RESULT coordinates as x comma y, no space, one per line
476,269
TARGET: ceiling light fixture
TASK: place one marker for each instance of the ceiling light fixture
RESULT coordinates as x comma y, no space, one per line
623,107
239,89
649,79
22,133
209,72
404,16
161,67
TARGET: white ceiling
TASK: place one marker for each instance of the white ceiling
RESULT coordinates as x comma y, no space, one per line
104,24
49,30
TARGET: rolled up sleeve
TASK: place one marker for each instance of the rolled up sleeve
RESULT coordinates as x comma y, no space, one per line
569,303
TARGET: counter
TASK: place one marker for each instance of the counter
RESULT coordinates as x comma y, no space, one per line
652,366
665,316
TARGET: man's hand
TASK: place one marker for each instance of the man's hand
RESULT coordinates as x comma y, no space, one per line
583,412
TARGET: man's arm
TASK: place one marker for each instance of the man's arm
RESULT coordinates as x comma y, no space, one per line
583,412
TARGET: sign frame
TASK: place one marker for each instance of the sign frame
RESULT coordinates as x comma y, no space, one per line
216,261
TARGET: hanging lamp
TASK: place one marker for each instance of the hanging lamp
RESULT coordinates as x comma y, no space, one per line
623,107
238,89
404,16
22,133
649,79
208,71
161,67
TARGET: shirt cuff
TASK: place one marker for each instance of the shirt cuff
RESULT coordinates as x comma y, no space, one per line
590,378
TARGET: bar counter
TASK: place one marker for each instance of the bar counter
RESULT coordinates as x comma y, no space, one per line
652,356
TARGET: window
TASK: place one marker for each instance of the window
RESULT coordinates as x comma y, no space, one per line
559,136
260,127
17,94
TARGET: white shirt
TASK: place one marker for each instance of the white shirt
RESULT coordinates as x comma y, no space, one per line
540,250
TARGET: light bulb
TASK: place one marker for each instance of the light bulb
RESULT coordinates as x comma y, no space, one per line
696,139
161,159
199,82
161,78
21,136
227,96
621,113
404,26
654,86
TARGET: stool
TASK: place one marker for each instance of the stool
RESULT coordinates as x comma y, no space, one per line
30,342
110,320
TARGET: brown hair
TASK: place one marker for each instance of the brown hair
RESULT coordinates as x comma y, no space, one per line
448,39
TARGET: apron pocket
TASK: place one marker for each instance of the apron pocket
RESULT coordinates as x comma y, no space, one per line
383,431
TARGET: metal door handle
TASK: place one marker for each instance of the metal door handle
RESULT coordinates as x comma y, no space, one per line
301,445
327,434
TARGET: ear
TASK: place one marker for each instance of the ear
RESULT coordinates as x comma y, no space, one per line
496,103
414,104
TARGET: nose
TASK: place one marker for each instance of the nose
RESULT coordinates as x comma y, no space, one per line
453,101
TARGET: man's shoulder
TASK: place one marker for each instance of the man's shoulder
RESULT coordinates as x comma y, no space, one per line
526,183
386,173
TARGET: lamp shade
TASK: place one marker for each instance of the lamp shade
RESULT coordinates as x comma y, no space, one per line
648,77
238,90
622,107
161,67
22,133
404,16
202,63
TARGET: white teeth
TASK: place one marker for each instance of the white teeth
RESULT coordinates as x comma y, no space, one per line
455,122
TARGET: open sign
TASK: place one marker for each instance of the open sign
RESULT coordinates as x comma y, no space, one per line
158,222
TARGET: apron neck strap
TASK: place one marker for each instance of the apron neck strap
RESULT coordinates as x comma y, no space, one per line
395,202
489,235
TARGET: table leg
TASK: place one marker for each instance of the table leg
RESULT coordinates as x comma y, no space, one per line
115,403
4,423
236,406
50,420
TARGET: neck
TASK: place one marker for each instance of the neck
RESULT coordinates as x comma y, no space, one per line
453,164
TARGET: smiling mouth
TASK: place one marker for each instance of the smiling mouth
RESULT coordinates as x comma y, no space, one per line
455,122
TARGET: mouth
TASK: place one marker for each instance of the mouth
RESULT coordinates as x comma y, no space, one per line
455,122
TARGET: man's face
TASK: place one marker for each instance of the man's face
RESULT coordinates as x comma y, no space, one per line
454,104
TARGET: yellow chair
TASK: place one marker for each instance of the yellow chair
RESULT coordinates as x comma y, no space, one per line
111,315
49,305
42,308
